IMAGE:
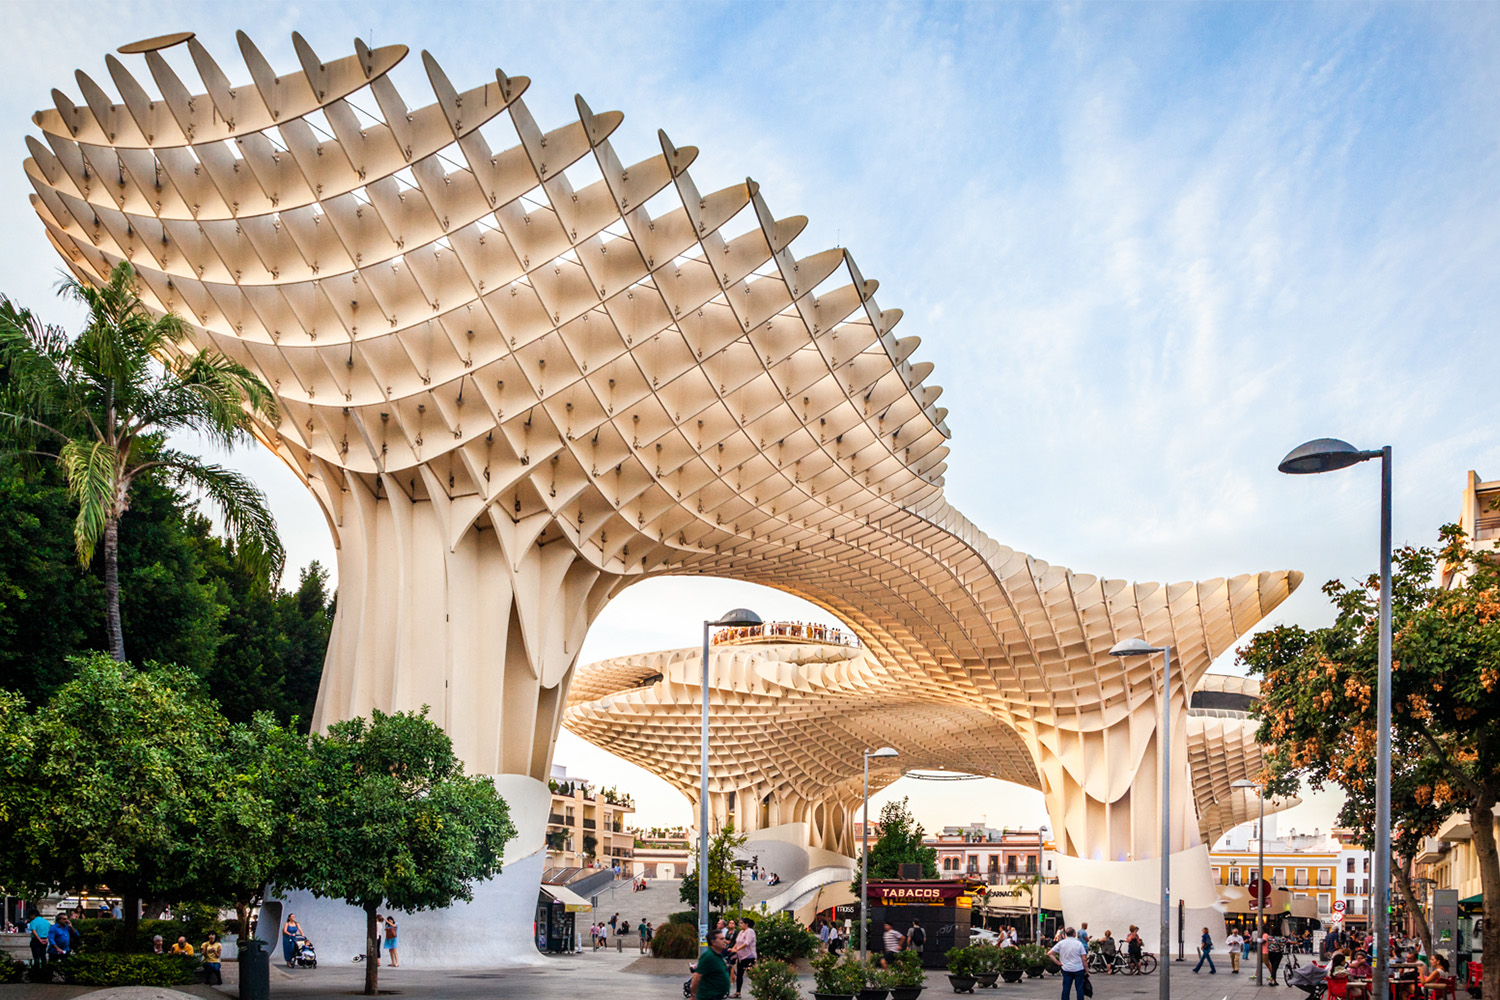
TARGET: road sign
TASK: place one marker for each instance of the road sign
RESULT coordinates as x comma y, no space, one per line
1260,893
1339,906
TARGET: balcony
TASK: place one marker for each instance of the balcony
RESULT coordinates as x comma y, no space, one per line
556,820
589,824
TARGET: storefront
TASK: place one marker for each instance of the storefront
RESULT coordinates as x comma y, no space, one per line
557,909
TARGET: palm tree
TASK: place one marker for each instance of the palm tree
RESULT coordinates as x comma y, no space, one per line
102,404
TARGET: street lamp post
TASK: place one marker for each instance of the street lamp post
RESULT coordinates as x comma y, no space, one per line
737,617
1140,647
1328,455
864,855
1260,872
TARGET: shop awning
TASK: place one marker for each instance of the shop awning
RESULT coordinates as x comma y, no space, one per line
572,902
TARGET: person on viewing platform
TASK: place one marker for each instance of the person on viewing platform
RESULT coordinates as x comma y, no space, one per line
711,976
1070,953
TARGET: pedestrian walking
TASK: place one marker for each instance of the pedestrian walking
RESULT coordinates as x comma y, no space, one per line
290,932
744,953
614,922
893,941
640,933
916,937
1205,953
1234,942
1071,953
711,976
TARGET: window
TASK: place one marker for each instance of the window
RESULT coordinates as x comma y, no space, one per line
1010,864
1349,885
1234,876
1351,865
973,864
1300,876
1217,876
994,864
1367,863
1031,864
1278,876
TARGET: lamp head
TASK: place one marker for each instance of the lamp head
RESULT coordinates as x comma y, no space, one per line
1134,647
1322,455
1244,783
883,752
739,616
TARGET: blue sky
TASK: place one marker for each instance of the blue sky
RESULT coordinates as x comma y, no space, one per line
1148,247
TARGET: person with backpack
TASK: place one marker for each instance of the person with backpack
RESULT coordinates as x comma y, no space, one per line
916,937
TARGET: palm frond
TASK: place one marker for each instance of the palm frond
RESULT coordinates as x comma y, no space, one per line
212,394
240,503
91,468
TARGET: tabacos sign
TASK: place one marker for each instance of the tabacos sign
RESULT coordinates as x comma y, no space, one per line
891,893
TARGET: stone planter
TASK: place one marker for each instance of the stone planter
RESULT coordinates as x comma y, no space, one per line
962,984
987,979
906,992
873,993
1036,971
1011,975
832,996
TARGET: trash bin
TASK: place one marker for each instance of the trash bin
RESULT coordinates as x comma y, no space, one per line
255,970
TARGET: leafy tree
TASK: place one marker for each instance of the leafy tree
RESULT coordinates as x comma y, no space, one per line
900,842
107,782
1317,707
100,405
724,887
390,819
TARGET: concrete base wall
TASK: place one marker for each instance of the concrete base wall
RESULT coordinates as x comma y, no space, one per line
1112,895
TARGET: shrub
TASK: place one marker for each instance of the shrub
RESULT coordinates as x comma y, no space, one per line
986,957
781,937
675,940
1012,959
906,971
962,961
11,971
127,970
690,917
773,979
839,978
101,934
1033,956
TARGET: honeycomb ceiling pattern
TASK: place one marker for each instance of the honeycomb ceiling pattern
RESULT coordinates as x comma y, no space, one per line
520,374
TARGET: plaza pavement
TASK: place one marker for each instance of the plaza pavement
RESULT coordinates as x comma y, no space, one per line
602,976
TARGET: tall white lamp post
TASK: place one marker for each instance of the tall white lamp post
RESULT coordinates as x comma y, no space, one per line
1260,872
864,856
1140,647
1328,455
737,617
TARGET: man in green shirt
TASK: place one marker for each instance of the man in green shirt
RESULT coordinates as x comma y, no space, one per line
711,976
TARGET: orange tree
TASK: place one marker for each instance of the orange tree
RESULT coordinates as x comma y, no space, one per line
1317,709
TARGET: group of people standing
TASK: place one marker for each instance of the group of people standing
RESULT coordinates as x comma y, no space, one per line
599,932
729,946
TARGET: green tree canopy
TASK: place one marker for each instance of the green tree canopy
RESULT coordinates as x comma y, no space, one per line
101,405
724,887
392,820
900,843
1317,706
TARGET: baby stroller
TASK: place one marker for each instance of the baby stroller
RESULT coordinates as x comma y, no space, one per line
304,955
1311,979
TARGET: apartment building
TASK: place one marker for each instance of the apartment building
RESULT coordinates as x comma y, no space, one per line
586,825
998,856
1325,871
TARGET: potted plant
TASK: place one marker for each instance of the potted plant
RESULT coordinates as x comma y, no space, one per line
1011,963
1034,958
987,967
773,979
962,964
906,978
877,981
835,980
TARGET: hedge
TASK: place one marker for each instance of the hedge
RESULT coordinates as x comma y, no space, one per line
781,937
103,934
127,970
